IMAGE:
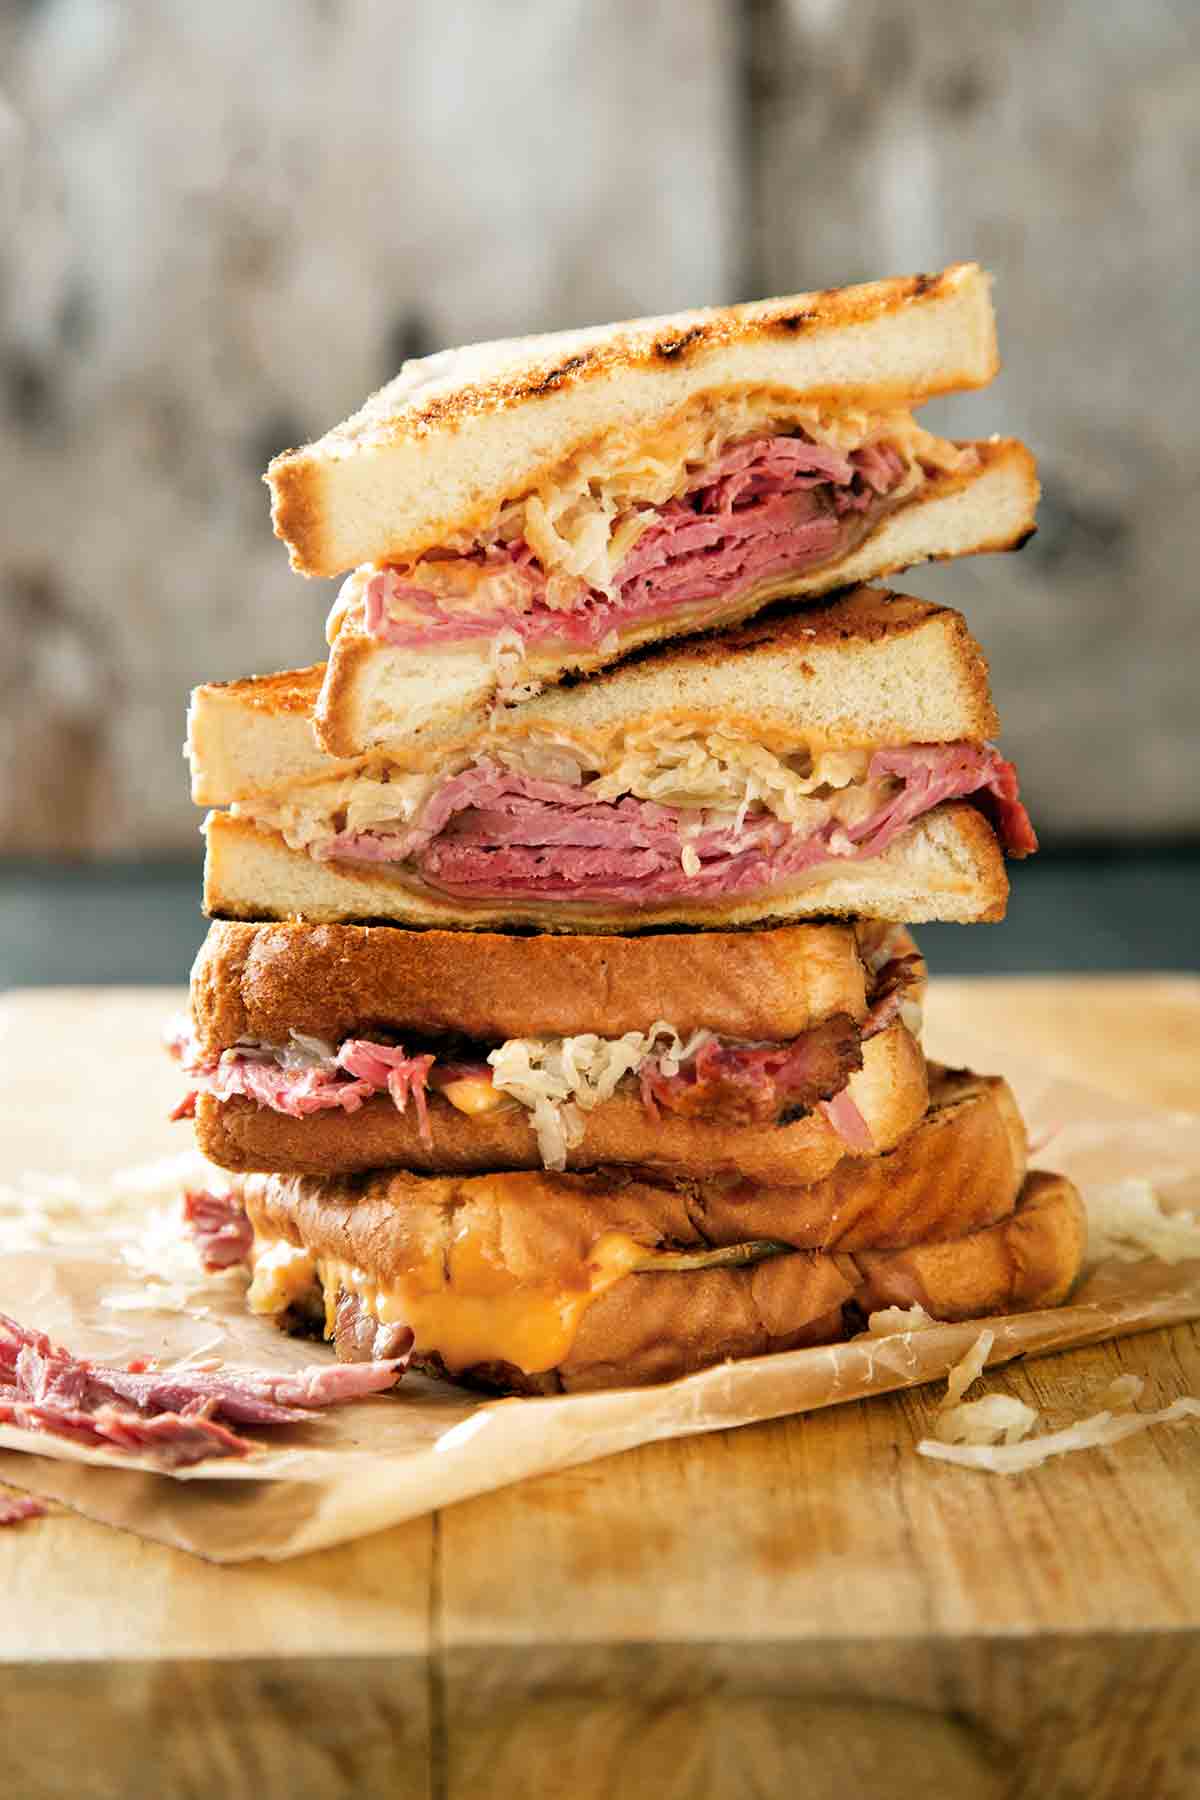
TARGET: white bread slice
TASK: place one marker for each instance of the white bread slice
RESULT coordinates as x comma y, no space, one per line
375,695
255,735
948,866
439,448
869,668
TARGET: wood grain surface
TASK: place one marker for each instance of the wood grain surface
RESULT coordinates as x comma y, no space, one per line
804,1606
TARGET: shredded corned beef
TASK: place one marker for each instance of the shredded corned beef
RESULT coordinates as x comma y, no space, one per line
219,1227
298,1090
752,1084
175,1415
768,506
888,994
15,1510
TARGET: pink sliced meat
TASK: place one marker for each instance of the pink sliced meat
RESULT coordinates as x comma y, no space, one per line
223,1234
769,506
849,1123
175,1415
511,837
285,1091
387,1068
755,1083
892,983
15,1509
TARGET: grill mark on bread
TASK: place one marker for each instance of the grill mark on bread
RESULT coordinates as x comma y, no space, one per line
545,384
621,347
799,321
668,348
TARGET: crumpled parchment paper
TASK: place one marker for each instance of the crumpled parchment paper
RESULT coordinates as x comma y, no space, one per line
104,1270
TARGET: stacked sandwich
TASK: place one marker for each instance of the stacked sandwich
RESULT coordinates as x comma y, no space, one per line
560,1018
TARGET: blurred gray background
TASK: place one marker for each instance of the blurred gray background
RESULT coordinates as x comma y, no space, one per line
223,224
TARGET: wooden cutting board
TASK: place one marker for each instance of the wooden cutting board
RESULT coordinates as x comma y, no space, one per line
804,1607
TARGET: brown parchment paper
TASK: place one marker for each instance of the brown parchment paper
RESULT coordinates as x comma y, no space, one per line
99,1281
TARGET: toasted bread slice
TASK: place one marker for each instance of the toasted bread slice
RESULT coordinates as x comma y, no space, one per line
960,1168
889,1091
948,866
437,451
869,668
261,982
542,1284
256,735
376,696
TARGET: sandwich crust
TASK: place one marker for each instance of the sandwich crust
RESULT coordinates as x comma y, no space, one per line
440,447
337,981
633,1336
948,865
539,1232
890,1091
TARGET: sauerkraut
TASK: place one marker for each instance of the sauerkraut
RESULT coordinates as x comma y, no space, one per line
719,774
559,1079
583,517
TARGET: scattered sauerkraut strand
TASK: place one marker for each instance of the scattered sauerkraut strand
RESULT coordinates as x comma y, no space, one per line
1085,1434
1123,1390
995,1418
1127,1220
38,1210
969,1368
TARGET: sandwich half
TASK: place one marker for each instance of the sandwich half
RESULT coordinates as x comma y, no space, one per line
544,1283
516,511
833,760
766,1056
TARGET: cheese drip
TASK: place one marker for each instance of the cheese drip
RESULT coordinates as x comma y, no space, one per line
468,1309
464,1306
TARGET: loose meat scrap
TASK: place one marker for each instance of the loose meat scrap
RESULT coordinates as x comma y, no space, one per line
178,1416
16,1508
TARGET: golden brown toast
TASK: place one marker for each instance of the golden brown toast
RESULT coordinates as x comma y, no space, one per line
336,981
436,451
583,1255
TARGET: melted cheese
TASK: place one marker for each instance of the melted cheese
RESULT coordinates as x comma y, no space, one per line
473,1095
284,1274
481,1313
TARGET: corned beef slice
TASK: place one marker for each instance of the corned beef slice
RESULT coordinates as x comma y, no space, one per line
511,836
769,506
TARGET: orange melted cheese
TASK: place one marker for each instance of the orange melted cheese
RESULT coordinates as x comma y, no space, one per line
482,1313
472,1095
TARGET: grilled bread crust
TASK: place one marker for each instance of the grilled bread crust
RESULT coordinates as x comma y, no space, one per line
375,695
439,448
947,866
890,1091
631,1337
871,667
648,1327
338,981
959,1168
